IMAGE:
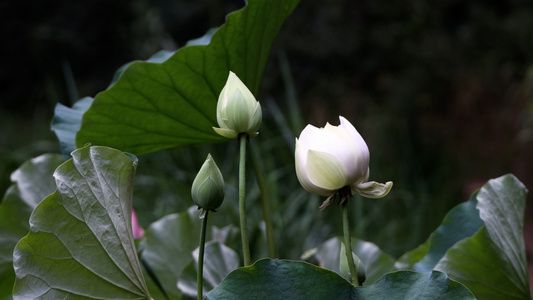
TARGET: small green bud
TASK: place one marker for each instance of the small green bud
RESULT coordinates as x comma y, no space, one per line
208,187
237,110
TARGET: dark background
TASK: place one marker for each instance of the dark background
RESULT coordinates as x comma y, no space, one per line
442,91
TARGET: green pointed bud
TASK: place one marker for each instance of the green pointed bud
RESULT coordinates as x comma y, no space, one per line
208,187
237,110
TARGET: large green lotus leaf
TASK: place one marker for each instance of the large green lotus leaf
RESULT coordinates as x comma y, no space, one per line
67,121
219,261
409,259
376,262
492,263
80,244
33,181
153,106
158,57
168,246
461,222
405,284
282,279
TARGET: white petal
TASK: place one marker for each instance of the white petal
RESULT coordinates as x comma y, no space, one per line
338,141
308,135
233,82
230,134
302,143
236,83
356,136
221,108
372,189
330,140
325,170
236,112
255,120
301,172
350,153
367,175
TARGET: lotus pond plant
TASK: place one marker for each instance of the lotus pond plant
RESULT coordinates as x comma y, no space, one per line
207,192
239,115
67,229
334,160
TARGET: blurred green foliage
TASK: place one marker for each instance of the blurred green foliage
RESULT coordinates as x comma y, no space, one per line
442,92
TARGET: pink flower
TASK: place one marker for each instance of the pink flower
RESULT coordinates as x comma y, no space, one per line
138,231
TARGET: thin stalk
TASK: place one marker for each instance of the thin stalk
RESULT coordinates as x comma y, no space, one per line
242,199
265,200
200,276
348,244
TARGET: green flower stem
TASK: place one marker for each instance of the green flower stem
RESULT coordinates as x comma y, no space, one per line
200,274
348,244
242,199
266,200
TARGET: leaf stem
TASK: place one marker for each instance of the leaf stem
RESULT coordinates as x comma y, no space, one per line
200,274
242,198
266,200
348,244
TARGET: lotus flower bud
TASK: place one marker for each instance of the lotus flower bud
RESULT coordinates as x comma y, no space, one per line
208,187
237,110
335,159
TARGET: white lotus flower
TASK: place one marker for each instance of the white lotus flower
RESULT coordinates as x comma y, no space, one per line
335,158
237,110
